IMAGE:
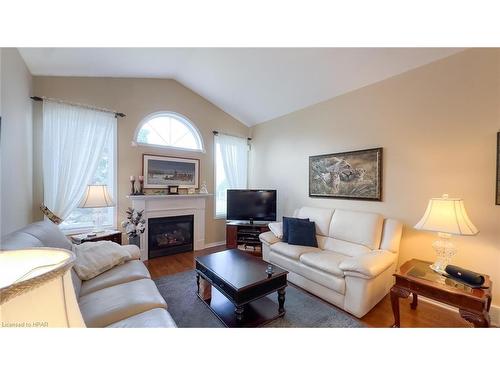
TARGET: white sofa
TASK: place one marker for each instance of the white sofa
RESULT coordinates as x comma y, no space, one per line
122,297
353,264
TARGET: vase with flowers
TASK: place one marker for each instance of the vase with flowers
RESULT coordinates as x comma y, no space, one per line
134,225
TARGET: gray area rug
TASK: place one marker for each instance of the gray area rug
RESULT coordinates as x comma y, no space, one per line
302,309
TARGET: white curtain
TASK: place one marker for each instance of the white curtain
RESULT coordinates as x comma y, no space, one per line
234,158
73,141
234,151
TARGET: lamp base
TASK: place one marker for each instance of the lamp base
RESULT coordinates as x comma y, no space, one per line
445,250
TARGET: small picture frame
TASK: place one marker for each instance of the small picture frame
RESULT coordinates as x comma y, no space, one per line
173,189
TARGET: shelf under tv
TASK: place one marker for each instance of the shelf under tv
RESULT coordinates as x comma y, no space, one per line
244,234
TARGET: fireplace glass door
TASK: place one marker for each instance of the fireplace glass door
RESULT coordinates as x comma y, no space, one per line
170,235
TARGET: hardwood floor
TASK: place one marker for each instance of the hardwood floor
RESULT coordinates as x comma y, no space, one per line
426,314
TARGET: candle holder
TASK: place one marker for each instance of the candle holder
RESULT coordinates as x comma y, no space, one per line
132,188
141,187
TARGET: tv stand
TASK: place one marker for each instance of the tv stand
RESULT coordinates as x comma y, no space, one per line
244,236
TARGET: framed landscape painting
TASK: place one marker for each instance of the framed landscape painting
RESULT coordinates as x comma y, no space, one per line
164,171
347,175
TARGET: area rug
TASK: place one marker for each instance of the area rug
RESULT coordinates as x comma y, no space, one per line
302,309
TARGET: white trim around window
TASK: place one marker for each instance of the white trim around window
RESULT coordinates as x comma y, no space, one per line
181,118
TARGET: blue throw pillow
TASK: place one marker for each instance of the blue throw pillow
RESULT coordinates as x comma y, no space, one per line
286,222
302,233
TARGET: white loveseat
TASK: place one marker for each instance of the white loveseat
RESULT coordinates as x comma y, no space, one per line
353,264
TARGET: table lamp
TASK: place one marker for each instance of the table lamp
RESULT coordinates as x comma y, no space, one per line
446,216
96,196
36,289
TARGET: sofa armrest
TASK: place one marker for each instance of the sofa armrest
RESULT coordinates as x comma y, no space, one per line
369,265
268,238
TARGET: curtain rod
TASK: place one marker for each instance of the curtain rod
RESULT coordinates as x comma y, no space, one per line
231,135
42,98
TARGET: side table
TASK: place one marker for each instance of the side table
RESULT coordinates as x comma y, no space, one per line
416,278
107,235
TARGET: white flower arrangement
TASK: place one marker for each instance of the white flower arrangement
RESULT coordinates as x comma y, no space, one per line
135,223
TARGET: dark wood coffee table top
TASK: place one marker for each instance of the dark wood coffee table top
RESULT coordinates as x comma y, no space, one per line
238,269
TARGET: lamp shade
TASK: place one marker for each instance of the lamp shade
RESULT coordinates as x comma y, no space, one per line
96,196
36,289
447,215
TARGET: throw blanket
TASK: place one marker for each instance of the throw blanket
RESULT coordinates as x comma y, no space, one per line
94,258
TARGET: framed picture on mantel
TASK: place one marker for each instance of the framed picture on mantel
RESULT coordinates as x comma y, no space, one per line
347,175
164,171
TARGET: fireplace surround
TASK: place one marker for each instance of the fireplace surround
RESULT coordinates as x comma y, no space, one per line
164,206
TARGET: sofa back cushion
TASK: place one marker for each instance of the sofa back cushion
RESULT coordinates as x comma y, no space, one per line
19,240
39,234
344,247
320,216
361,228
391,235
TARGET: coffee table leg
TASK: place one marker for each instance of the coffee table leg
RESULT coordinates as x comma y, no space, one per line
281,300
239,312
198,283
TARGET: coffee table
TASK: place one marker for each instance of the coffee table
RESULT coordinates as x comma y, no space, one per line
234,285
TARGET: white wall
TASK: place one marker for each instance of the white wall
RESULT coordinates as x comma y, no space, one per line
16,188
437,125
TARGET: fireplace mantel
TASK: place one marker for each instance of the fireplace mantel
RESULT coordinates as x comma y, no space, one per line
156,206
167,196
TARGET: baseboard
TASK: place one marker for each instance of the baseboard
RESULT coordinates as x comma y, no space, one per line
213,244
494,310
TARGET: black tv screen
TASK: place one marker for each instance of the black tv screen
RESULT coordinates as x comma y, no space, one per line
251,205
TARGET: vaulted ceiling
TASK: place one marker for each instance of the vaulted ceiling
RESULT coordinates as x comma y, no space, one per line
251,84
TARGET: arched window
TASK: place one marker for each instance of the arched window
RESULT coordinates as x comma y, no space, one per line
169,129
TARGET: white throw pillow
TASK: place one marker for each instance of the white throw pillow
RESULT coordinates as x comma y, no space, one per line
277,229
94,258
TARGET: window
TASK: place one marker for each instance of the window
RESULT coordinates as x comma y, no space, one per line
105,174
168,129
231,168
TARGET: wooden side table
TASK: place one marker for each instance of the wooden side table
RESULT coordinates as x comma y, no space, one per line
416,278
107,235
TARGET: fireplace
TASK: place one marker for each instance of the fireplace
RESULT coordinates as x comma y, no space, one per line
170,235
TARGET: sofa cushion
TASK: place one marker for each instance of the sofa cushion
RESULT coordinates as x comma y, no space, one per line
321,217
155,318
327,261
119,302
292,251
302,233
363,228
344,247
129,271
313,274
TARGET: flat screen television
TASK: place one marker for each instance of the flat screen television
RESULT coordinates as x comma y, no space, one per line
251,205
